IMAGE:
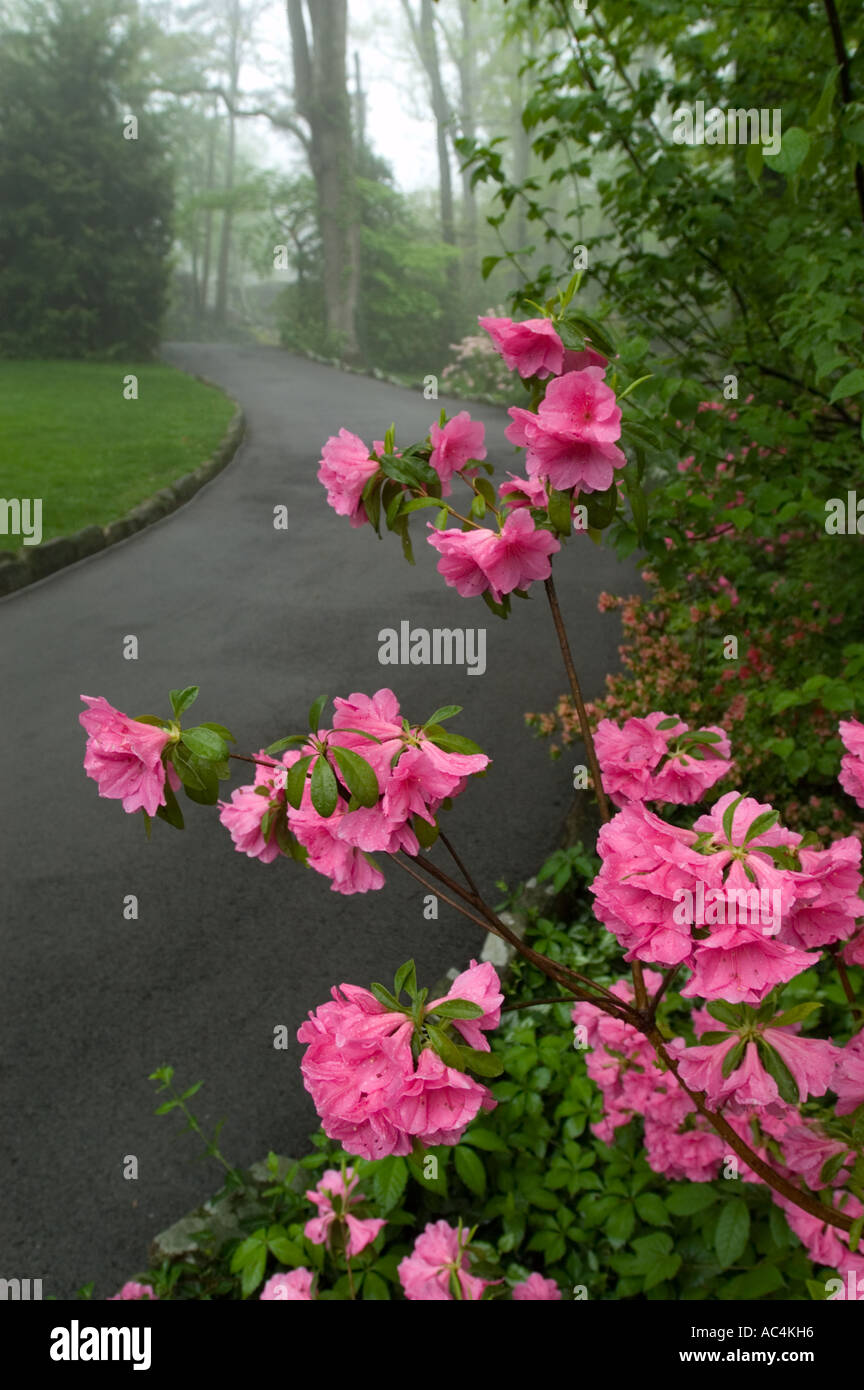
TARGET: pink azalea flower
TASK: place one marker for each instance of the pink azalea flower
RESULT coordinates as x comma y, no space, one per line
570,440
334,1196
295,1287
462,556
628,754
479,984
439,1254
522,492
647,864
694,1154
749,1086
683,779
805,1151
829,903
536,1289
131,1290
345,470
518,555
742,965
848,1080
242,816
577,361
454,445
532,347
852,763
827,1246
370,1095
124,757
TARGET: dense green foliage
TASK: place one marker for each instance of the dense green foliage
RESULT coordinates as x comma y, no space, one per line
84,211
734,278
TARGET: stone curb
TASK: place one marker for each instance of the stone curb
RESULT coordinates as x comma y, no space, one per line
31,563
375,374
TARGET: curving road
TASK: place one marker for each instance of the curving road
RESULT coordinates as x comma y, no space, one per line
224,949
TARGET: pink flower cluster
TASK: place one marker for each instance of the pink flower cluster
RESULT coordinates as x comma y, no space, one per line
440,1259
478,560
131,1291
359,1068
638,761
570,441
293,1287
852,763
652,870
124,757
414,777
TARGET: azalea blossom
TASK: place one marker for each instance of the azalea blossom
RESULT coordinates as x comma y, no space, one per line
536,1289
131,1291
293,1287
345,469
334,1196
852,762
570,440
454,445
438,1261
124,757
532,347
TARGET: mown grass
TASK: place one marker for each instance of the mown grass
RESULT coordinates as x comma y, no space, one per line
67,435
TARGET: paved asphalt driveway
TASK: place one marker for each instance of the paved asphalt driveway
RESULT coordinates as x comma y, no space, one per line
226,948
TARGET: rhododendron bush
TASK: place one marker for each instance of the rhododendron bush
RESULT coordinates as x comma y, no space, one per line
715,906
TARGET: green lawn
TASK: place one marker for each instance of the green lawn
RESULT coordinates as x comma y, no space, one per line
68,436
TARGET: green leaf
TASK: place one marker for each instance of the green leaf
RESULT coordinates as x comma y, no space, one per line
152,719
204,743
488,264
374,1288
389,1181
734,1057
729,820
184,765
221,731
406,978
357,775
561,511
383,995
483,1063
485,1139
451,743
182,699
620,1225
253,1271
447,1050
732,1232
445,712
652,1209
295,781
286,1252
426,834
726,1013
315,710
667,723
171,812
756,1283
797,1014
686,1201
754,161
777,1068
324,790
417,504
848,385
458,1008
470,1168
282,743
794,148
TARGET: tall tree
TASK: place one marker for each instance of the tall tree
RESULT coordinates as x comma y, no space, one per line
84,212
319,56
422,26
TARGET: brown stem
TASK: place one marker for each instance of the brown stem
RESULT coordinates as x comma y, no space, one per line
576,692
532,1003
568,979
775,1180
846,982
458,862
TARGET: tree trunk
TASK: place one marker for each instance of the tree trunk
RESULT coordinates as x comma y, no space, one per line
323,100
425,42
221,305
208,217
467,116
